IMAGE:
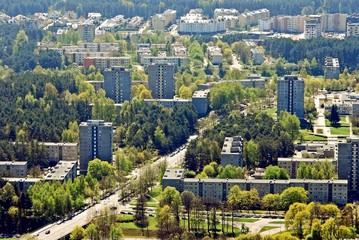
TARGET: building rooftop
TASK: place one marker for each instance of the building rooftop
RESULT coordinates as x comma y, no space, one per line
96,123
305,159
232,145
331,62
201,94
262,181
14,163
173,173
60,171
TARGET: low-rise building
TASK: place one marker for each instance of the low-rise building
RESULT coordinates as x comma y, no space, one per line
61,151
195,23
292,164
169,103
232,151
107,62
63,171
215,55
173,178
251,18
201,102
257,56
13,169
253,81
22,184
331,68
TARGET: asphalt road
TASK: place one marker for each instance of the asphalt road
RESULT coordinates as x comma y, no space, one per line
57,231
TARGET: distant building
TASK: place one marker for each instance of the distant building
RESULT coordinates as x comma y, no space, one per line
335,22
292,164
253,81
95,142
86,31
324,191
313,27
331,68
161,80
215,55
61,151
97,85
14,169
221,12
251,18
118,84
232,151
169,103
107,62
352,29
159,22
201,102
291,95
177,61
101,47
257,56
195,23
63,171
22,184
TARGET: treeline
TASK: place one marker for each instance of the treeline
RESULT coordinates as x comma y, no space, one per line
294,51
265,141
148,8
38,105
153,127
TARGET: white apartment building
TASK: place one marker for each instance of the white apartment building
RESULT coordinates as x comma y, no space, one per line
195,23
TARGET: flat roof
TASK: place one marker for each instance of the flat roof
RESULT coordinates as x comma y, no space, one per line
263,181
305,159
15,163
232,145
60,171
173,173
201,93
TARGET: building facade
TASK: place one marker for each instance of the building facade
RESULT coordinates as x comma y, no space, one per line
106,62
61,151
86,31
232,151
14,169
352,29
291,95
161,80
331,68
169,103
215,55
63,171
201,102
95,142
195,23
118,84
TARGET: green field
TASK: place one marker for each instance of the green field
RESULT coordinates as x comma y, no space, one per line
343,122
340,131
266,228
132,225
277,222
246,220
308,138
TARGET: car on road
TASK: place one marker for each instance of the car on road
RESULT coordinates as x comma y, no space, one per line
47,232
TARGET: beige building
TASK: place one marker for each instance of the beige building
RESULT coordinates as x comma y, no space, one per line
252,18
61,151
215,55
160,21
14,169
232,151
86,31
107,62
63,171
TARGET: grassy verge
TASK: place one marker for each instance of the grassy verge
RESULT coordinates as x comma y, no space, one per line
340,131
277,222
266,228
131,225
309,136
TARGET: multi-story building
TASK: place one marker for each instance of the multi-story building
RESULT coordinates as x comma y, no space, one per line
257,56
101,47
292,164
325,191
63,171
251,18
22,184
161,80
201,102
95,142
312,28
14,169
221,12
169,103
253,81
107,62
232,151
347,156
61,151
352,29
215,55
86,31
177,61
335,22
291,95
160,21
118,84
195,23
331,68
97,85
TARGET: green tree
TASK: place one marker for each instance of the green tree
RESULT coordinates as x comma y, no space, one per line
290,123
292,195
188,199
275,172
77,233
271,202
334,117
91,232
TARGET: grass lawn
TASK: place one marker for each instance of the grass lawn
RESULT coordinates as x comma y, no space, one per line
309,136
246,220
266,228
131,225
340,131
227,227
277,222
343,122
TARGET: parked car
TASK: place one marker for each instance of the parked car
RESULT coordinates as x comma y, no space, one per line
47,232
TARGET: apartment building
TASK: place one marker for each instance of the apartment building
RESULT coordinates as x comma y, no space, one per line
61,151
232,151
22,183
331,68
335,22
312,28
118,84
195,23
292,164
221,12
253,81
63,171
97,85
251,18
13,169
86,31
159,22
107,62
291,95
101,47
161,80
352,29
95,142
215,55
257,56
177,61
169,103
324,191
201,102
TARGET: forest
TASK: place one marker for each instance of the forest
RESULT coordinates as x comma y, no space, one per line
147,8
294,51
